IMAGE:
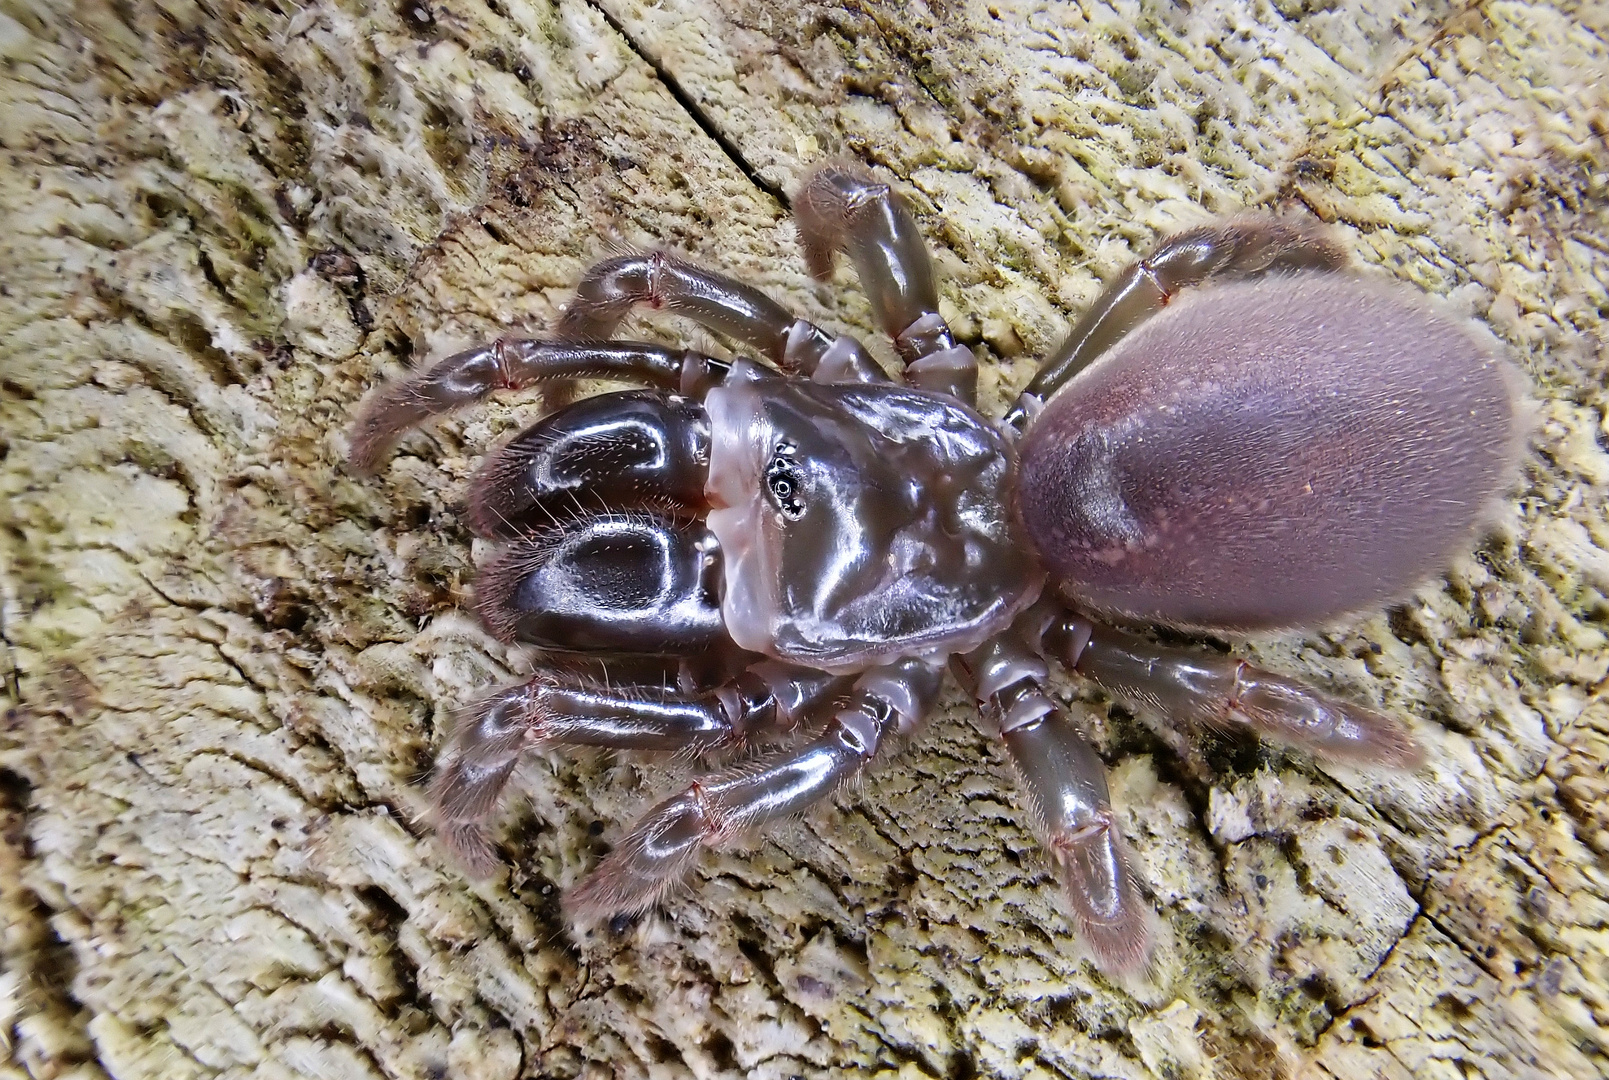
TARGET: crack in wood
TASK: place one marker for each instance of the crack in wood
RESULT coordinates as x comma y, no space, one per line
691,107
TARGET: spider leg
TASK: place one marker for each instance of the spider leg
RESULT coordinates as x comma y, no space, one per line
469,376
843,208
555,708
610,289
1221,691
1240,248
1063,782
669,839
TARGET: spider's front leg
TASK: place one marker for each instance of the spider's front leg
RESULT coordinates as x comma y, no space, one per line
605,295
554,708
610,289
839,207
714,810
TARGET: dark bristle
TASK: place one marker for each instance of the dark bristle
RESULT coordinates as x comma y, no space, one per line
498,584
492,509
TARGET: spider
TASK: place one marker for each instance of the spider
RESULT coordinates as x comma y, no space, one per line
1238,436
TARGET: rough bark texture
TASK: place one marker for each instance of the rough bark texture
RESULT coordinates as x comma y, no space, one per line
228,661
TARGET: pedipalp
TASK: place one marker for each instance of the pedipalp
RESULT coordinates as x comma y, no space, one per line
508,364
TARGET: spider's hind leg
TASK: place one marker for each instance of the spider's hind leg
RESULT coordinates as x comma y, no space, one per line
1245,247
1064,786
1195,686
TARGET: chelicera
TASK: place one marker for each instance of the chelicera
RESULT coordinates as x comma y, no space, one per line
1240,435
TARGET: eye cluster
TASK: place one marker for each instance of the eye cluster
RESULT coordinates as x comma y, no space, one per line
784,480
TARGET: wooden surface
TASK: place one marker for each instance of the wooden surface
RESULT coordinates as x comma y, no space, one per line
228,661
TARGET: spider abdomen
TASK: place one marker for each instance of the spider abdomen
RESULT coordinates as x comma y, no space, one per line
1270,453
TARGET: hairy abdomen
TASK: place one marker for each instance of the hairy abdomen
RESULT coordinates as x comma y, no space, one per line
1269,454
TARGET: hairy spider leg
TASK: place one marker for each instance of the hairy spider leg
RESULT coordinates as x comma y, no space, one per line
1063,782
1192,686
559,708
665,844
467,377
841,207
1241,248
610,289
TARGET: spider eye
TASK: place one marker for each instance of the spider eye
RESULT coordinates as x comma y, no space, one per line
785,481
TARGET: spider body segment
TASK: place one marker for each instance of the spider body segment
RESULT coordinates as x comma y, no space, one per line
1282,445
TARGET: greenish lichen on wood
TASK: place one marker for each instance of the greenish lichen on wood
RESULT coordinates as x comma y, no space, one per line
228,661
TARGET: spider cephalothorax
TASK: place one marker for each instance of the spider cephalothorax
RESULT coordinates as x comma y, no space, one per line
1284,444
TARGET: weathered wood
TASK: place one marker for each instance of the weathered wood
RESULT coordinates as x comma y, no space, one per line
229,660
